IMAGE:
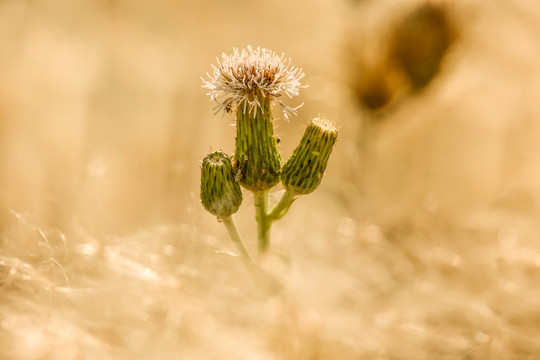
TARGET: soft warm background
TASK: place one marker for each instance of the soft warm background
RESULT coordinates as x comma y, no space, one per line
421,243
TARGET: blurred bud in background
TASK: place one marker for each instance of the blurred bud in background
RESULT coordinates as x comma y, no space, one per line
374,83
420,41
406,52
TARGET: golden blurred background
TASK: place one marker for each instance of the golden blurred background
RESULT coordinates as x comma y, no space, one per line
421,242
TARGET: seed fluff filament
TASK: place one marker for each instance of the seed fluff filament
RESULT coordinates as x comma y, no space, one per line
248,78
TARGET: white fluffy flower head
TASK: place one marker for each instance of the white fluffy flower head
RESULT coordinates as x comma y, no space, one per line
247,78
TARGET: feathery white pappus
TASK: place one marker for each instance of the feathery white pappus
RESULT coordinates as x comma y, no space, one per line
248,77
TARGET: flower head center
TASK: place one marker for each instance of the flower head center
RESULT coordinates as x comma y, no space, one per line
216,159
248,78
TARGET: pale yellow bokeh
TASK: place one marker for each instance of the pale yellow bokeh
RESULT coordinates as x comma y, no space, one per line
420,243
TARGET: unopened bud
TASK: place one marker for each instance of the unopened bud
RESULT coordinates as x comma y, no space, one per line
220,193
304,170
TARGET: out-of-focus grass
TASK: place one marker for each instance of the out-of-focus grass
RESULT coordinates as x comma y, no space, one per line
421,242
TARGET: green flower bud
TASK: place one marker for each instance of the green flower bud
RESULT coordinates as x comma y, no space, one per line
257,159
304,170
220,193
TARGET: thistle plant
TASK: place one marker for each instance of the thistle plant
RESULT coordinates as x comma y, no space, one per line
248,83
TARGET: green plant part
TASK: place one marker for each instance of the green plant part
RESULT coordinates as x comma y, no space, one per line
257,158
249,82
304,170
221,194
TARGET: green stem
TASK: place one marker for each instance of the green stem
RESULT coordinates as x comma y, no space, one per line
236,238
282,206
263,223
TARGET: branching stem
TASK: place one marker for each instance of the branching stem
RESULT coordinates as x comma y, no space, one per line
282,206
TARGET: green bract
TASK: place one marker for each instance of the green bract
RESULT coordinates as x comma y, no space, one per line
258,160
